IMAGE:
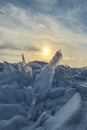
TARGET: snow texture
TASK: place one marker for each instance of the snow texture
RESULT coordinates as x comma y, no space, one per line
42,96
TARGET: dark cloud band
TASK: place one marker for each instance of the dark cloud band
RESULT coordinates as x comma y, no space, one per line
5,46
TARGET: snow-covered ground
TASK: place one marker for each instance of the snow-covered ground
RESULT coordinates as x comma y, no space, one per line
42,96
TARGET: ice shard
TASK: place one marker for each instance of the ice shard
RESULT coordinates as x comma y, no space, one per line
69,112
56,58
44,80
25,67
23,59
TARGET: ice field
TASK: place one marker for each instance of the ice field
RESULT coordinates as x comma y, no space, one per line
43,96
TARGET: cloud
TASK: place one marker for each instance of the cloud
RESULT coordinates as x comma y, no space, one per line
29,25
4,46
31,48
10,46
23,27
34,5
66,13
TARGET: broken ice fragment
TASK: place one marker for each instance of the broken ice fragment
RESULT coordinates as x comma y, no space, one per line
44,80
15,123
69,112
25,67
56,58
23,59
7,94
43,117
7,111
29,95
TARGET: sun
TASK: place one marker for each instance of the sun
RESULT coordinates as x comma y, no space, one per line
46,51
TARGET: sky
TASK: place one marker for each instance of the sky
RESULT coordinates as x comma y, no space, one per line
33,27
